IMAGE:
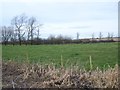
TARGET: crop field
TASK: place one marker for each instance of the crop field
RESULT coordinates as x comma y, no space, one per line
101,54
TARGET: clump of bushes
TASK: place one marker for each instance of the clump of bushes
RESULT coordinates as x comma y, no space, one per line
26,75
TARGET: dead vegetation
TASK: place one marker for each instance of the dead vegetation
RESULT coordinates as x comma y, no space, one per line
25,75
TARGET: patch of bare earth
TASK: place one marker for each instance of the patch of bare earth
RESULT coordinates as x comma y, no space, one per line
25,75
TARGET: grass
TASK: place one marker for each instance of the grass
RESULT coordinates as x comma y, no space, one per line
102,54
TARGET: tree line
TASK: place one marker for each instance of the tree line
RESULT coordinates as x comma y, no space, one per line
26,30
22,29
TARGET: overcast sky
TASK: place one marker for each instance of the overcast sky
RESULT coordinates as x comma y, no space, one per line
66,17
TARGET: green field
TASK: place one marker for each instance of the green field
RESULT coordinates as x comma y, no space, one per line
102,54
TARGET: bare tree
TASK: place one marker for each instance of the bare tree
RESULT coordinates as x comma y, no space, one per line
77,35
38,31
67,38
14,37
51,37
31,25
6,34
100,35
109,36
59,37
19,23
93,37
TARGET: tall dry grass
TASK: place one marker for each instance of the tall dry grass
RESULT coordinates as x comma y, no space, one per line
26,75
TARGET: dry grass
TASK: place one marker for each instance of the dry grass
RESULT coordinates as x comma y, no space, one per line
16,75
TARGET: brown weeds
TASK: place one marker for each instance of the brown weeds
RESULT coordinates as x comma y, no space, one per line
16,75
